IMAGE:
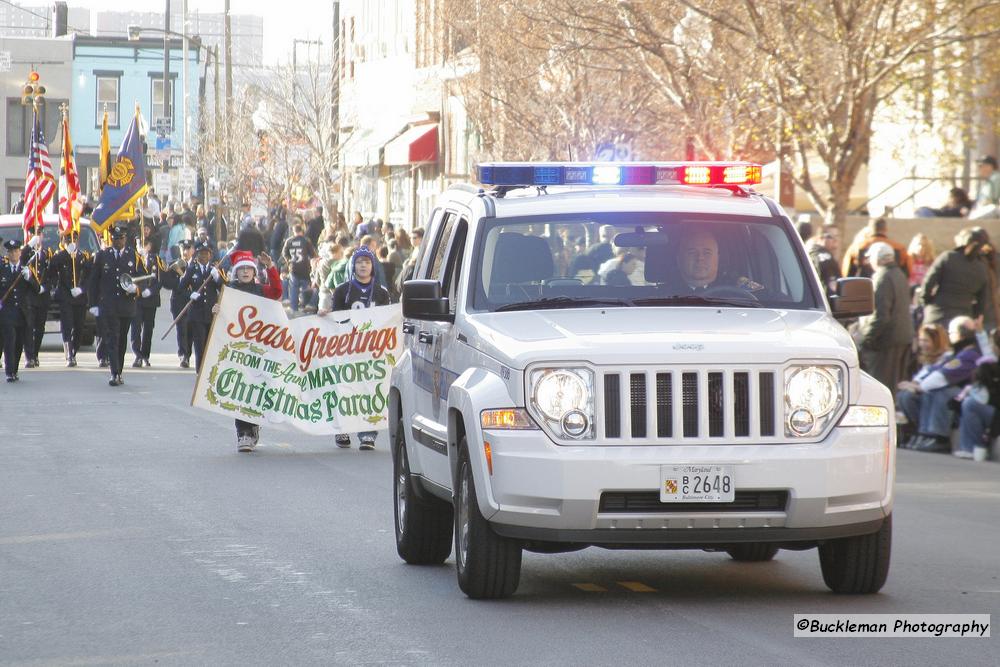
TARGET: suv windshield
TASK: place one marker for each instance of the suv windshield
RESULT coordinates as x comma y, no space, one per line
50,236
639,259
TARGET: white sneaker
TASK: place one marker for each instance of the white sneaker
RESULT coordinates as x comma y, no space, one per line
962,454
245,444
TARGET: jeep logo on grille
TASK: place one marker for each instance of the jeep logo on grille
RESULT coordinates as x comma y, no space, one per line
689,347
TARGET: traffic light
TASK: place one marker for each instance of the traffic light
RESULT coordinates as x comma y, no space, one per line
32,90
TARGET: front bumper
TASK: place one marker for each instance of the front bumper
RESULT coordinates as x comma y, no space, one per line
542,491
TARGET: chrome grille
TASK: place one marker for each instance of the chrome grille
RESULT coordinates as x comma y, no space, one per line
686,405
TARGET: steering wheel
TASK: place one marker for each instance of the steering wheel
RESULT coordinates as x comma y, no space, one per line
730,292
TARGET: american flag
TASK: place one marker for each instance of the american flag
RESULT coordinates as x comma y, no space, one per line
69,185
40,183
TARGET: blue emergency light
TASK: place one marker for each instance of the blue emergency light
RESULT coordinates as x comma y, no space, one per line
618,173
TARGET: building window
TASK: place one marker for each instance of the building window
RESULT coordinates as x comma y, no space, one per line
107,99
157,99
19,126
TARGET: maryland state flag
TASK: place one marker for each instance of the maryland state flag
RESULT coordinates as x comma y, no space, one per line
69,185
126,181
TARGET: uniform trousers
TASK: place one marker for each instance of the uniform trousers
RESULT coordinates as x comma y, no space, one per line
40,313
183,332
71,324
114,334
13,344
199,340
142,330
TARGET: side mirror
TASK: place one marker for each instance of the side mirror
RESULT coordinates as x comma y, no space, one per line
422,300
855,298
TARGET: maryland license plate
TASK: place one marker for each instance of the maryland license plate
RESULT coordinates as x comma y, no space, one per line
697,484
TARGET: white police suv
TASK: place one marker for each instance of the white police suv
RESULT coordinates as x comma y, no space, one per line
632,356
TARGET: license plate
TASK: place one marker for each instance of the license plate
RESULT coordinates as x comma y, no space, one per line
697,484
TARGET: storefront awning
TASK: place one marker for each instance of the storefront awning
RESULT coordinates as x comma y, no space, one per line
417,144
364,146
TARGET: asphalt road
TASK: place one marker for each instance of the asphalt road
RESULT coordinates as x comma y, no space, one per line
131,532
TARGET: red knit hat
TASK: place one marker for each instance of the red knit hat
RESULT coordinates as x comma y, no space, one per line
243,258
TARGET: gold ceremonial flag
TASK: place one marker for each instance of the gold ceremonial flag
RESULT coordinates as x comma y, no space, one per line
105,155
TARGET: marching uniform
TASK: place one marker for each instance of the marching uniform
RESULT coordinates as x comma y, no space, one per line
179,297
13,324
115,305
146,305
205,282
36,303
68,276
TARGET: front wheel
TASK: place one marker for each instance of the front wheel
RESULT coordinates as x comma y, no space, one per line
423,526
489,565
857,565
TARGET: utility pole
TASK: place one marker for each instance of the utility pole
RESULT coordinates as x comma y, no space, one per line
184,80
335,75
229,97
165,163
218,91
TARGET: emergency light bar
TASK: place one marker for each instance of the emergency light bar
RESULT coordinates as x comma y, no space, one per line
618,173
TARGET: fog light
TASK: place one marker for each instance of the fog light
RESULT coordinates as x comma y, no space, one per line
802,421
574,423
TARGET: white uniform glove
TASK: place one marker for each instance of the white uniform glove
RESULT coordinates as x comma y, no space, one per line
71,248
195,296
41,289
146,293
35,241
215,274
131,289
76,291
93,311
26,273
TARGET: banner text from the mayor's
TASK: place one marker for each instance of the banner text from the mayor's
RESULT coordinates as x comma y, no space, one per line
321,375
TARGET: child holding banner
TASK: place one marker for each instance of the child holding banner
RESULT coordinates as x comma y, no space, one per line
245,268
359,291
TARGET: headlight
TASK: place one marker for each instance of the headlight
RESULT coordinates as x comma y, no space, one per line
564,398
812,395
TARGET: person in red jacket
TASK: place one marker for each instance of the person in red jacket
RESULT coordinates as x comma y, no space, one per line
245,272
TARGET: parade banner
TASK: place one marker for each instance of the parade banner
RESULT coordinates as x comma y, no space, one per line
320,375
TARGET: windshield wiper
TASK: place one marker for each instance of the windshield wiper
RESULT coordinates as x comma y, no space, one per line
561,302
695,300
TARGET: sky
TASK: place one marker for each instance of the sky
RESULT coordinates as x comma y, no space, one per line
284,20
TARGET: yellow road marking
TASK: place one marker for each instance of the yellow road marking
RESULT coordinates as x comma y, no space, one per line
591,588
636,587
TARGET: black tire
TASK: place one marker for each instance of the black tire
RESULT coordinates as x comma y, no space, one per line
423,526
857,565
752,552
488,565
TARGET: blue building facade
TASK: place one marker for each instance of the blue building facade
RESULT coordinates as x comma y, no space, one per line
116,74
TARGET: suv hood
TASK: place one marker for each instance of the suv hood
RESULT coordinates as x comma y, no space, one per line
667,335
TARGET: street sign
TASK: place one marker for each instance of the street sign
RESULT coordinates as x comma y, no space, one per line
4,61
162,181
162,143
163,125
609,152
187,179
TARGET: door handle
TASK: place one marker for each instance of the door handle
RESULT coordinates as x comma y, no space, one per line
409,327
425,337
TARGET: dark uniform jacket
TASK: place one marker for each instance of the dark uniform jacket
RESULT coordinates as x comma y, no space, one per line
104,289
13,305
38,263
193,278
61,276
890,325
957,284
179,296
153,266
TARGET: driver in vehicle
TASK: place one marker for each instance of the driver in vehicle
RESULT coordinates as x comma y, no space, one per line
697,260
